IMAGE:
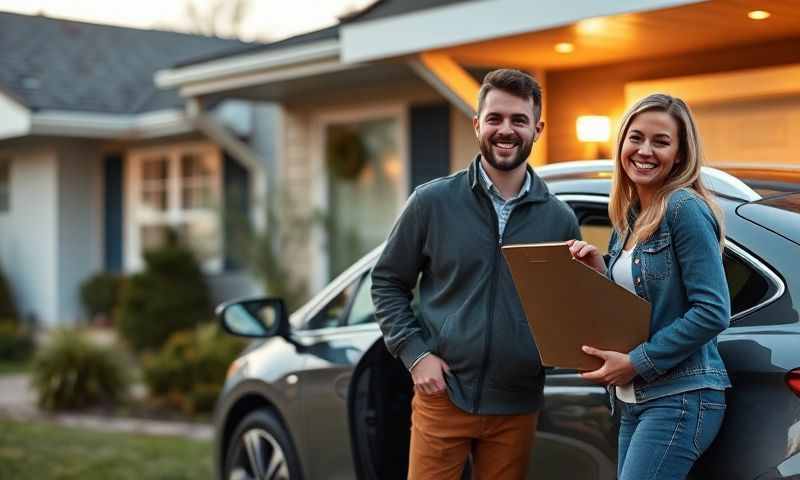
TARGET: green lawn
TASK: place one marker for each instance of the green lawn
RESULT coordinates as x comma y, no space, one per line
7,368
48,452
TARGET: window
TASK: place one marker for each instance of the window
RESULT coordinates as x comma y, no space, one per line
363,311
594,223
366,186
751,285
333,313
5,185
176,189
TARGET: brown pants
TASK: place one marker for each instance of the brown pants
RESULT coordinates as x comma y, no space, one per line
442,436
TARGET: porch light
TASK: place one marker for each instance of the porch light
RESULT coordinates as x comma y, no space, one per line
758,15
593,128
564,47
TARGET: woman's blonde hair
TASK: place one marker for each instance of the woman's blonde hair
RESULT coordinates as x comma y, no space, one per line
684,174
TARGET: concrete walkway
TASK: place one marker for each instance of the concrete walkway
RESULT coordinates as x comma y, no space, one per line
18,402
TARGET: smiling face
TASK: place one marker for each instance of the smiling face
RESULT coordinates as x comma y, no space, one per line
506,130
650,151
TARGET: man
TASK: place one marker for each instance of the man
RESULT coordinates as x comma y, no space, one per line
477,377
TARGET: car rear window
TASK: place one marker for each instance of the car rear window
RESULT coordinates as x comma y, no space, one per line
780,213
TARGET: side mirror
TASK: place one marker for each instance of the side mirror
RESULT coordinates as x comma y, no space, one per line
257,318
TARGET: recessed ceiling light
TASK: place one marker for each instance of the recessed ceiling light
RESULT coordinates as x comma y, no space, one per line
564,47
758,15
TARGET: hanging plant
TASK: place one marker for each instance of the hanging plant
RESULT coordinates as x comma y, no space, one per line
346,154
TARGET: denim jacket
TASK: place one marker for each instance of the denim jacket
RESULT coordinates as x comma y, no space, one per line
679,271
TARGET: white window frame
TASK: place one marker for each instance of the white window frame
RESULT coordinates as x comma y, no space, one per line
136,216
319,187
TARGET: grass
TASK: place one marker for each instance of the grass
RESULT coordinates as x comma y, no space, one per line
9,368
49,452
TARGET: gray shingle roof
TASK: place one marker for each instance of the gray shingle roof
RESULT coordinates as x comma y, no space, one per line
54,64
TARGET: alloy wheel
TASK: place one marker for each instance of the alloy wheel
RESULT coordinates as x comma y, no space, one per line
260,457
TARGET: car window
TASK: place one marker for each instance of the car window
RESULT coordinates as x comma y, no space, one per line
362,311
594,223
748,287
332,314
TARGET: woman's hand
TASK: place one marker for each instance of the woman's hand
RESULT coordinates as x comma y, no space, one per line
587,254
617,368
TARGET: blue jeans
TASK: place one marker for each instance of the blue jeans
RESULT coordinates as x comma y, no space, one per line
661,439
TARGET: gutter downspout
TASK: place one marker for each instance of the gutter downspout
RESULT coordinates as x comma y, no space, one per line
239,150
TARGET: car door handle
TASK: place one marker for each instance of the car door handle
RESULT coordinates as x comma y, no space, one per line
341,385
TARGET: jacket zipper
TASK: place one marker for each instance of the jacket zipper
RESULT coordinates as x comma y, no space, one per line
492,292
490,316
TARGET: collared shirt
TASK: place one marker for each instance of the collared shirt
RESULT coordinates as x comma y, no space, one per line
503,207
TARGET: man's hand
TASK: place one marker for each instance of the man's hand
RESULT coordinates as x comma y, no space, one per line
617,368
428,374
587,254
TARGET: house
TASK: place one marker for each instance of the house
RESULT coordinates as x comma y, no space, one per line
383,101
96,162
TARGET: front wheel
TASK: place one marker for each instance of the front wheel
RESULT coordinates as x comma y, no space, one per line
260,449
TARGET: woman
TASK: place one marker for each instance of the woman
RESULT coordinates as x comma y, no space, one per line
666,247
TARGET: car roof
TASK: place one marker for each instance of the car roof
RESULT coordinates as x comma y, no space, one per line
716,180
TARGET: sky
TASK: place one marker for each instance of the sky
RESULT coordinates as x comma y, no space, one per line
266,19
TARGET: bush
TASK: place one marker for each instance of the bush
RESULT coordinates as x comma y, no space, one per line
71,372
189,371
100,293
16,343
169,296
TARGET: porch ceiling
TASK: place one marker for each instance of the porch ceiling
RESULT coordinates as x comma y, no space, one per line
704,26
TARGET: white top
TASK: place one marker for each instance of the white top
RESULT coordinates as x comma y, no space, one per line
623,276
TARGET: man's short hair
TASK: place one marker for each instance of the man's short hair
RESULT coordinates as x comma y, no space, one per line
514,82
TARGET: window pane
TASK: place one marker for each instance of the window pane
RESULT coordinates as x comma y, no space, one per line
194,165
197,175
154,168
332,314
365,187
154,198
362,311
193,197
747,287
154,183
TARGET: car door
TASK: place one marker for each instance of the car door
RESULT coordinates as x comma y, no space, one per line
332,341
577,435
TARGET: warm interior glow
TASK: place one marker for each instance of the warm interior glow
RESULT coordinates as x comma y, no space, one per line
564,47
593,128
758,15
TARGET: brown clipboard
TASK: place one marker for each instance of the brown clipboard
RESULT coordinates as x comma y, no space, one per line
568,305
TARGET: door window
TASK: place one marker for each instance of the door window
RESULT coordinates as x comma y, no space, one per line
333,314
362,311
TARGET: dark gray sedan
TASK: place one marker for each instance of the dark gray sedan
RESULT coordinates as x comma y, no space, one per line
319,397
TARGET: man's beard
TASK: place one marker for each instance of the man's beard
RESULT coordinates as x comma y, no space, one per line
523,152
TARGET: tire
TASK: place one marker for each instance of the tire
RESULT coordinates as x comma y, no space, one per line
261,449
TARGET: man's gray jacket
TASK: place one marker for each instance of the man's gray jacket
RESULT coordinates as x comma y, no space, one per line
469,313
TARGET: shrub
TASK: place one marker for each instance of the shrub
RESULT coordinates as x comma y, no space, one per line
190,370
100,293
169,296
16,343
71,372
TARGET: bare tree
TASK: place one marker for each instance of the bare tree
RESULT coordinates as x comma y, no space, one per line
220,18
